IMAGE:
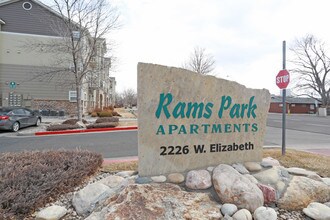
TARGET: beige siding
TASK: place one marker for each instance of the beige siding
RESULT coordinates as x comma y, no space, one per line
56,88
25,49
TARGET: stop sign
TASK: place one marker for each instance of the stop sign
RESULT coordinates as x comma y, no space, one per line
283,79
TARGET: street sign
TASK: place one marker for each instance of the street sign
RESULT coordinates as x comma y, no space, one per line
12,85
283,79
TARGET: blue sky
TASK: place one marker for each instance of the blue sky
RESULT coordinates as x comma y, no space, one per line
245,37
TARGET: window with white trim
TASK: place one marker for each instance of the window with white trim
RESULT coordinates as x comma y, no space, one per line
73,96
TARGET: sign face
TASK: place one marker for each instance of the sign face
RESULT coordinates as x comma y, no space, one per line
283,79
190,121
12,85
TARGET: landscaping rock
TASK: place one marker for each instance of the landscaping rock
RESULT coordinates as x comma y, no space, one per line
53,212
317,211
300,171
143,180
233,187
198,179
252,166
240,168
175,178
159,179
326,181
251,178
242,214
85,200
268,192
112,181
126,174
269,162
263,213
228,209
166,201
302,191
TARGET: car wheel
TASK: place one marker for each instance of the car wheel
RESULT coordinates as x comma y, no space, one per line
38,122
15,126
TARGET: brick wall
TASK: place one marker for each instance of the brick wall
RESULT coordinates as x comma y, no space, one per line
55,105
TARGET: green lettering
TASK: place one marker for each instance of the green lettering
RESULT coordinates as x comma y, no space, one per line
208,109
193,129
216,128
234,111
254,127
252,108
206,127
164,101
182,130
228,128
237,127
172,128
160,130
225,103
179,110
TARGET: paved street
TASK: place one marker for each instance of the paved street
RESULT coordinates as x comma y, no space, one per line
306,132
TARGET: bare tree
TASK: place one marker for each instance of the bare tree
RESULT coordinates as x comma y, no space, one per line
312,67
82,24
200,62
129,97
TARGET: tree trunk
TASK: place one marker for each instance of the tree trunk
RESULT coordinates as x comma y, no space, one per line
79,109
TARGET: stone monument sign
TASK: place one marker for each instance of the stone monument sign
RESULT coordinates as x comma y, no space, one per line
189,121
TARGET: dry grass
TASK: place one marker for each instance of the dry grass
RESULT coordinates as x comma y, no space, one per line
293,158
124,113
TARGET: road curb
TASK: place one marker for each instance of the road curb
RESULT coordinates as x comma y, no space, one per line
40,133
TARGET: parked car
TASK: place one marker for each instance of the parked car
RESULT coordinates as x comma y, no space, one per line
14,118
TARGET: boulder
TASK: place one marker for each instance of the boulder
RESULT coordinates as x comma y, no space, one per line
159,179
242,214
166,201
269,162
85,200
198,179
263,213
252,166
53,212
228,209
268,192
175,178
240,168
317,211
233,187
302,191
113,181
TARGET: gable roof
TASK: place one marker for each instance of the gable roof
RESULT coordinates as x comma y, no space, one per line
293,100
7,2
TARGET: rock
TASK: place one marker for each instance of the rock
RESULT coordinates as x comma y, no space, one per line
126,174
263,213
277,177
143,180
242,214
268,192
227,217
327,204
240,168
228,209
302,191
159,179
198,179
53,212
326,181
317,211
251,178
210,169
252,166
112,181
84,200
300,171
175,178
269,162
166,201
233,187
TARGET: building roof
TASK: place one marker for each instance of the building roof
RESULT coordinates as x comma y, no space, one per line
293,100
7,2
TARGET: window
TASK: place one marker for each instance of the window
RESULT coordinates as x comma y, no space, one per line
73,96
27,6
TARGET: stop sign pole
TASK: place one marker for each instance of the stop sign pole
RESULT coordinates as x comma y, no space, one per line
282,81
284,103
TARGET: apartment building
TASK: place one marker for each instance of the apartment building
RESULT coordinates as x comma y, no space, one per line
33,76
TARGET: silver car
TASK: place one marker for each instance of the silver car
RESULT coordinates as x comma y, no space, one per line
14,118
